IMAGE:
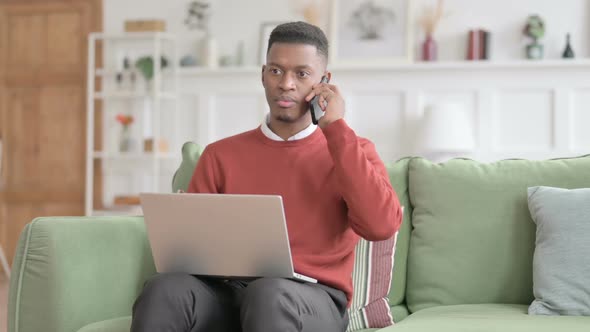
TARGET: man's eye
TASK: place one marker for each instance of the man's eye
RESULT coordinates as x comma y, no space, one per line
275,71
303,74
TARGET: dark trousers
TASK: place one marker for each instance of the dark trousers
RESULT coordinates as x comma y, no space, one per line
182,302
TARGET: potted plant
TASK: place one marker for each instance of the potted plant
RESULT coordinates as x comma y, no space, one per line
199,18
535,29
145,65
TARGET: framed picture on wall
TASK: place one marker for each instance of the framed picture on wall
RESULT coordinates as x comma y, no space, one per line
371,32
265,30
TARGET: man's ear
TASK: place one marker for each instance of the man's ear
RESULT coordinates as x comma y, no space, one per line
328,74
262,74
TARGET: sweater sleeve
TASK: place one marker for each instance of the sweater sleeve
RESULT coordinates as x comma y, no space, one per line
204,179
374,211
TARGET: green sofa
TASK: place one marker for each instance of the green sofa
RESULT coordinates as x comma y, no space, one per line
463,260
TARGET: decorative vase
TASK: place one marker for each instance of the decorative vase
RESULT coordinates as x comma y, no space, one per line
209,52
150,86
534,51
125,140
429,49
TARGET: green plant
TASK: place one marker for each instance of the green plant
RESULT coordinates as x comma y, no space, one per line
146,66
535,27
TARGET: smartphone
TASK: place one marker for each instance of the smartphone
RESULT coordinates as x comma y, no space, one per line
314,105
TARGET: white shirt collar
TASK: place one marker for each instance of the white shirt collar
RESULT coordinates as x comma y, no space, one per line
270,134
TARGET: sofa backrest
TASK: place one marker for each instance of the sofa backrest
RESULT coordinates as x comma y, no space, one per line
472,237
467,236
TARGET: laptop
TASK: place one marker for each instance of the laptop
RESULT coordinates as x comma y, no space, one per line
219,235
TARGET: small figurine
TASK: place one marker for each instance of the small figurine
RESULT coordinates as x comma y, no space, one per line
568,53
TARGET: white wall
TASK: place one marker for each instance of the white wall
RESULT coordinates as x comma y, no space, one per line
520,109
513,110
239,20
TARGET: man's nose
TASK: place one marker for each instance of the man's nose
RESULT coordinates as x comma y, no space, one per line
287,83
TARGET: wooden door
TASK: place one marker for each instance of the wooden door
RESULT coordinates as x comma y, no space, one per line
43,52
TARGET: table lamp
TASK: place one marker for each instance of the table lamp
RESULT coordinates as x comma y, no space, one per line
446,131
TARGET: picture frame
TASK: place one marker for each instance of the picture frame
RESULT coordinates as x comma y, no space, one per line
265,30
372,32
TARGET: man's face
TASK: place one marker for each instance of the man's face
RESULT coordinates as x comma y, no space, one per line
288,76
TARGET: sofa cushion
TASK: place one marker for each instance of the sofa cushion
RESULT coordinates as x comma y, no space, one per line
371,281
561,263
398,176
399,312
486,318
122,324
473,237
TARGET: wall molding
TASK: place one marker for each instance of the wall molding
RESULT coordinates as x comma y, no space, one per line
499,95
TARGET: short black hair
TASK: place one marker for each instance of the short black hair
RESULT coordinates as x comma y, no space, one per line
299,33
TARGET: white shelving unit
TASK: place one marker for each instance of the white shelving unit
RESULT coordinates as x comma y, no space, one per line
154,107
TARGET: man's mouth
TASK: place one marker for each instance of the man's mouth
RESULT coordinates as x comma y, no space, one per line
286,102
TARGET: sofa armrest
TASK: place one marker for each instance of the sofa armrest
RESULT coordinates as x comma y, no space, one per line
72,271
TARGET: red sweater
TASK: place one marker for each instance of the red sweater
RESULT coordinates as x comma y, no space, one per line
334,188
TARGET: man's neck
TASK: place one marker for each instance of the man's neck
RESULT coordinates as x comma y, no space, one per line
285,130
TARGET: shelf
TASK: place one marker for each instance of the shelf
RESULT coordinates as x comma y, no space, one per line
408,66
144,169
134,155
134,36
470,65
134,95
101,72
188,71
123,210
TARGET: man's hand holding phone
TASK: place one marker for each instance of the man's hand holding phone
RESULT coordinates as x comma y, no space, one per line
329,100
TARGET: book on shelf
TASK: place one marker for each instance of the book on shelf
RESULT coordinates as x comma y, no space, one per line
147,25
478,44
126,200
